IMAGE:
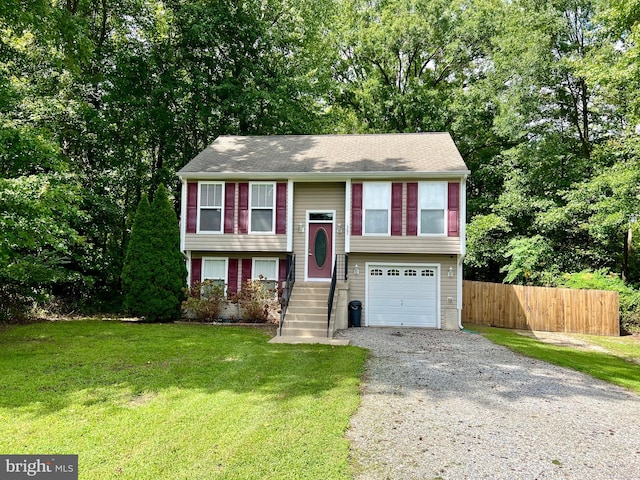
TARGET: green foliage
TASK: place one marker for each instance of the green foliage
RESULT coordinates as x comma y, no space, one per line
38,214
487,236
532,260
542,99
205,300
154,273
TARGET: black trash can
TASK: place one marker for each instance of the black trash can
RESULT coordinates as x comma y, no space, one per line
355,313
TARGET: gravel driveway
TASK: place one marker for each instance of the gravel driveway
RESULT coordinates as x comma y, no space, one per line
452,405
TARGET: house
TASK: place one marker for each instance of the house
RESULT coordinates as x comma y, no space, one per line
378,218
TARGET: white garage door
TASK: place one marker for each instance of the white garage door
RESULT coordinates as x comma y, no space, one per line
402,296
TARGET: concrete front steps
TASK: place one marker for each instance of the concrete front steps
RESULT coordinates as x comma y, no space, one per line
306,318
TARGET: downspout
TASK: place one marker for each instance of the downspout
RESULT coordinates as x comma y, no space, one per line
183,214
290,186
463,244
459,293
183,229
347,217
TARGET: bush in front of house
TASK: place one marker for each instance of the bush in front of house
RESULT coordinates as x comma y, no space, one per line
205,300
256,301
628,297
154,272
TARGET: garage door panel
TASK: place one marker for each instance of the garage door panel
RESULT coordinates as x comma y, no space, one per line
402,295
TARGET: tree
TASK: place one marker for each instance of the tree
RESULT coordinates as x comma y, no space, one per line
154,273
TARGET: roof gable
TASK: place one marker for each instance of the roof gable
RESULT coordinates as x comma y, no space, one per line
433,153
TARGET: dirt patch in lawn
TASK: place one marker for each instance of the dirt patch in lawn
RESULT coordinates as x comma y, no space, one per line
568,340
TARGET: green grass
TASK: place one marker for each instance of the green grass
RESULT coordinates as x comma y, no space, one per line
626,347
608,367
146,401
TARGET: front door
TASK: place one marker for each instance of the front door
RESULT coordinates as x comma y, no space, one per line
320,249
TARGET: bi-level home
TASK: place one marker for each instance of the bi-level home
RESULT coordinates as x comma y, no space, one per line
332,219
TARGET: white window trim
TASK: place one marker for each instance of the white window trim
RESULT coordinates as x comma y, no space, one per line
226,270
255,276
364,212
445,222
273,208
200,207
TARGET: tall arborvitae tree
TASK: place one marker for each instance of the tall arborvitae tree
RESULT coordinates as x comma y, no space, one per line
168,269
154,272
136,275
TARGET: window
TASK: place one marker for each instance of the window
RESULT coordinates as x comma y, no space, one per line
376,272
432,200
376,204
210,212
428,273
262,203
410,273
215,269
266,269
394,272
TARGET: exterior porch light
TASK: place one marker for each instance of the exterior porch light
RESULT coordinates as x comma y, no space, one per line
450,272
339,228
301,228
356,270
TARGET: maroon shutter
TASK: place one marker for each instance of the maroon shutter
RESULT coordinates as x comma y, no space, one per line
232,276
282,272
196,270
229,206
356,209
246,270
396,209
453,207
412,209
243,208
281,208
192,206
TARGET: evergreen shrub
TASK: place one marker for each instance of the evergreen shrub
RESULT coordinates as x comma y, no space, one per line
154,271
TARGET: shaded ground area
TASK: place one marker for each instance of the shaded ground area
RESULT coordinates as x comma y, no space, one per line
452,405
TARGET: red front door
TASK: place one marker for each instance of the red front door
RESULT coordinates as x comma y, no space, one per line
320,254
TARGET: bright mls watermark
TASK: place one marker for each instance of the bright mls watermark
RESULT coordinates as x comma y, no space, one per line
46,467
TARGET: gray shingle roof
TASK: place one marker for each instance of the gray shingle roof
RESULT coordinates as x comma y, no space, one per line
329,154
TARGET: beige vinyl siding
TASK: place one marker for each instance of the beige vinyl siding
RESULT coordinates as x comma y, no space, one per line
448,285
235,242
404,244
316,196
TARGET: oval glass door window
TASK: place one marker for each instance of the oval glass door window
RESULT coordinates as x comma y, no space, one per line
320,249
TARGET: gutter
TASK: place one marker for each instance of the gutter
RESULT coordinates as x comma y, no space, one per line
316,176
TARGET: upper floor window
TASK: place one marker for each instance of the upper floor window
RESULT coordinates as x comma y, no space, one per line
262,203
432,201
376,203
211,207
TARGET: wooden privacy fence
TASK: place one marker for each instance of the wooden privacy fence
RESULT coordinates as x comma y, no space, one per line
567,310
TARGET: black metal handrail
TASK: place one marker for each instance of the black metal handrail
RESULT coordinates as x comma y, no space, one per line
340,268
287,289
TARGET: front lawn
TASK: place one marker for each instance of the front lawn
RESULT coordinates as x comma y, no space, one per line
151,401
609,367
